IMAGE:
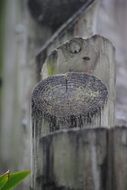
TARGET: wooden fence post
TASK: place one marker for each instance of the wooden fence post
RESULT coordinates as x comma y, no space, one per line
82,98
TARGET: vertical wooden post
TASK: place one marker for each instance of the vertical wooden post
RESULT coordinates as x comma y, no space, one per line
74,160
81,98
94,56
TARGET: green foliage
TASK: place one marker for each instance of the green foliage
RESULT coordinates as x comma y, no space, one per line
3,180
8,180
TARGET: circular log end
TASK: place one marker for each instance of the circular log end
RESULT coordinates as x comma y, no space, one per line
70,95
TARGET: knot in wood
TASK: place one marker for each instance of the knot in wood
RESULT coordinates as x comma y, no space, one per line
75,47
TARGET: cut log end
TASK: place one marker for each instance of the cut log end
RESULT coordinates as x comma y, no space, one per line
69,97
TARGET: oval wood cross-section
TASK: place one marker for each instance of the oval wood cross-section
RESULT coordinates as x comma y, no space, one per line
69,95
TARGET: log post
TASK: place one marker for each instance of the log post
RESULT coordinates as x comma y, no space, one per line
74,159
94,56
76,94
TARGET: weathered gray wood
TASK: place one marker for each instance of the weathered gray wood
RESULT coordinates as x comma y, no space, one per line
74,159
97,54
94,56
119,158
82,23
